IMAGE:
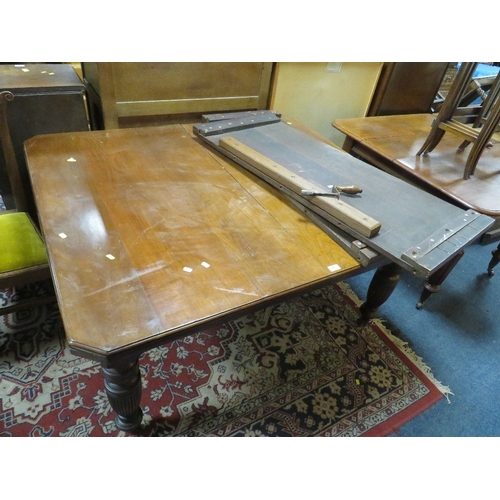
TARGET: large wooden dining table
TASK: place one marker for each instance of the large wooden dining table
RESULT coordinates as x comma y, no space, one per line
152,236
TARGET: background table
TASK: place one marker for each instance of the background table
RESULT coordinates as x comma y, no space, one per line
392,142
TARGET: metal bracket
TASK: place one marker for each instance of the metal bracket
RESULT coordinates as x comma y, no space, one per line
445,233
438,248
240,122
215,117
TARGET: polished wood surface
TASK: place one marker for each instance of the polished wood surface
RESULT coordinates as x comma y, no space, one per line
39,77
149,234
392,143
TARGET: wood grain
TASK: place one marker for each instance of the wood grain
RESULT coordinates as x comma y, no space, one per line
149,234
354,218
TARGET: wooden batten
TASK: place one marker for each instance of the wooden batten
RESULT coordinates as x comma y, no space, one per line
342,211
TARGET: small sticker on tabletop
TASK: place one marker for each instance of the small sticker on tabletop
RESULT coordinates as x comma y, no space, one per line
333,268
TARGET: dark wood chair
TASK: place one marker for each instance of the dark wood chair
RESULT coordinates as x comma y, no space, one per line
488,106
484,126
23,257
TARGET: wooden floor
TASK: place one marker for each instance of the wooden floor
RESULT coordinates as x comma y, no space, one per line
391,143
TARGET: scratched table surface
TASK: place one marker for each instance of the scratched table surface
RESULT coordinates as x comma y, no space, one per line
151,234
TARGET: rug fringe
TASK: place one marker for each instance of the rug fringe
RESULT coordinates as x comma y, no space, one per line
415,359
402,345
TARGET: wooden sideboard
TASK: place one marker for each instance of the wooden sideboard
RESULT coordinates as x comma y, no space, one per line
130,94
48,98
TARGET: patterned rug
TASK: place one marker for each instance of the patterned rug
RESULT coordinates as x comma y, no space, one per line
299,368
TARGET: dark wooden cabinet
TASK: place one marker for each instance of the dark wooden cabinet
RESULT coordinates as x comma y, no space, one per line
129,94
407,88
48,98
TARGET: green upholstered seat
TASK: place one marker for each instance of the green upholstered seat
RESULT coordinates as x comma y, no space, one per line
20,244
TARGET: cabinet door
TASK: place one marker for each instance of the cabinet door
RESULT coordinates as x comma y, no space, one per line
126,93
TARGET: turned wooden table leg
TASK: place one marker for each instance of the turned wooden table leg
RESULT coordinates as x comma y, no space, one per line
123,387
382,285
494,261
435,281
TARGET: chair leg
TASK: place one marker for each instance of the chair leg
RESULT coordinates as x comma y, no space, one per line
433,139
483,139
463,145
466,143
462,79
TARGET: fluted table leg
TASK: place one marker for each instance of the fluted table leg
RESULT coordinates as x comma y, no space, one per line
123,387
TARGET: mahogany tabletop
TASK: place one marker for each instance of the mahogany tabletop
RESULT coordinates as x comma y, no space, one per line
150,234
392,142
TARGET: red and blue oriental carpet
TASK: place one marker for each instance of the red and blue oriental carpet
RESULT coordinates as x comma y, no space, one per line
300,368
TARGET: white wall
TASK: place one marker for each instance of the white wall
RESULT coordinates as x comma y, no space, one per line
311,94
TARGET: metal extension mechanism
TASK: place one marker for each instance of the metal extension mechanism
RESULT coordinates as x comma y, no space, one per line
336,191
412,228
